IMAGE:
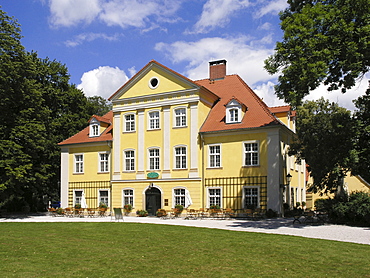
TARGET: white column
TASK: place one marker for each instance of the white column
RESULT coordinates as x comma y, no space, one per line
193,141
140,174
116,147
166,171
274,168
64,177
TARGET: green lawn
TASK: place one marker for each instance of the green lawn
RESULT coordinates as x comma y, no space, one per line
148,250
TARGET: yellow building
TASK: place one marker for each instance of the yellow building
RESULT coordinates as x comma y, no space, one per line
170,140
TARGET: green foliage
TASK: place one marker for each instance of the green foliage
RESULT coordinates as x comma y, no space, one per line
325,138
141,213
324,42
38,109
354,211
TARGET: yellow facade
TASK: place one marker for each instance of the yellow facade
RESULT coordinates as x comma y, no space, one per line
159,156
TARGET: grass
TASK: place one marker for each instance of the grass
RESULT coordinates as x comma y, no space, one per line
148,250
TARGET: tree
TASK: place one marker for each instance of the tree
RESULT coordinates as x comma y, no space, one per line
325,139
325,41
362,116
98,106
38,109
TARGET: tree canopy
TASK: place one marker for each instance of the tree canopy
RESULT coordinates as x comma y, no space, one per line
325,138
38,109
324,41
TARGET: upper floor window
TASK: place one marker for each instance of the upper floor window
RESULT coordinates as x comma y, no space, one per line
233,112
129,160
129,122
180,117
79,163
251,153
154,159
214,156
180,158
103,162
154,120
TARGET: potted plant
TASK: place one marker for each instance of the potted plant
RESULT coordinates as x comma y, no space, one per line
303,205
77,206
298,204
127,209
102,209
161,213
214,209
142,213
178,210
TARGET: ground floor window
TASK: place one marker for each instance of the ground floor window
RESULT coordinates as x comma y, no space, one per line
251,197
77,197
214,197
128,197
179,196
104,197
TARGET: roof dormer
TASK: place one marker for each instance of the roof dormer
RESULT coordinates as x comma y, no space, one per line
94,128
234,111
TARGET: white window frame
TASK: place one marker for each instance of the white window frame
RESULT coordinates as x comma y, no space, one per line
94,128
180,120
79,164
157,164
79,198
130,196
108,197
251,152
251,195
210,155
209,203
180,156
232,108
181,196
154,122
129,125
131,159
103,165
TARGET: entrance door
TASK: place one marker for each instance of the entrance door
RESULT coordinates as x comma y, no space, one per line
153,200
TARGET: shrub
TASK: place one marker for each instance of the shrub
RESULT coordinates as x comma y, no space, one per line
142,213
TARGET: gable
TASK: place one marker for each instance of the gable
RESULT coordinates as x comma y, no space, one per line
153,79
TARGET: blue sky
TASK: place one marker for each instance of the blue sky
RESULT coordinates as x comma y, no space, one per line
105,42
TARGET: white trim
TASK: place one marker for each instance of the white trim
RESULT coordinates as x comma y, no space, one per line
274,171
209,155
166,142
64,176
159,180
155,119
80,162
208,196
258,152
175,116
150,83
140,145
124,160
258,196
175,155
116,147
99,162
133,196
98,200
233,105
193,152
124,128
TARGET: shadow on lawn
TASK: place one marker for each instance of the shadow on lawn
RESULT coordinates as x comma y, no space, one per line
272,224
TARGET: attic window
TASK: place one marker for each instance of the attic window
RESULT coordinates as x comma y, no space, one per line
94,128
233,112
153,83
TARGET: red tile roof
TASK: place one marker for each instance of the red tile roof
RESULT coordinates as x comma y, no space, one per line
232,86
83,135
280,109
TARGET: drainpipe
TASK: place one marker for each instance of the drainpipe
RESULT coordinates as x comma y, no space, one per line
109,143
203,182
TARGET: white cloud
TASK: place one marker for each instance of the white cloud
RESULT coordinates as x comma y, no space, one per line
244,56
272,7
103,81
90,37
266,91
217,13
71,12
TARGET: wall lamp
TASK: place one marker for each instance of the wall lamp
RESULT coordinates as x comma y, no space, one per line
151,185
288,179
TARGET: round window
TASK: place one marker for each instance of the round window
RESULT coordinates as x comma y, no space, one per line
153,82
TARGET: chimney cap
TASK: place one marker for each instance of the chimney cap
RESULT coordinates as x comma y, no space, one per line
213,63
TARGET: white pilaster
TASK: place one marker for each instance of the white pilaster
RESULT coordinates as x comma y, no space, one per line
64,177
274,168
193,141
116,147
166,173
140,145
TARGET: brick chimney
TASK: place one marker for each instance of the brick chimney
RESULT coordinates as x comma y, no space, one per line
217,69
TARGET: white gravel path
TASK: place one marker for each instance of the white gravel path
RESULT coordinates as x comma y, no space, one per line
270,226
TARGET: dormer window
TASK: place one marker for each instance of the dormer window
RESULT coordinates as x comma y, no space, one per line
233,112
94,128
